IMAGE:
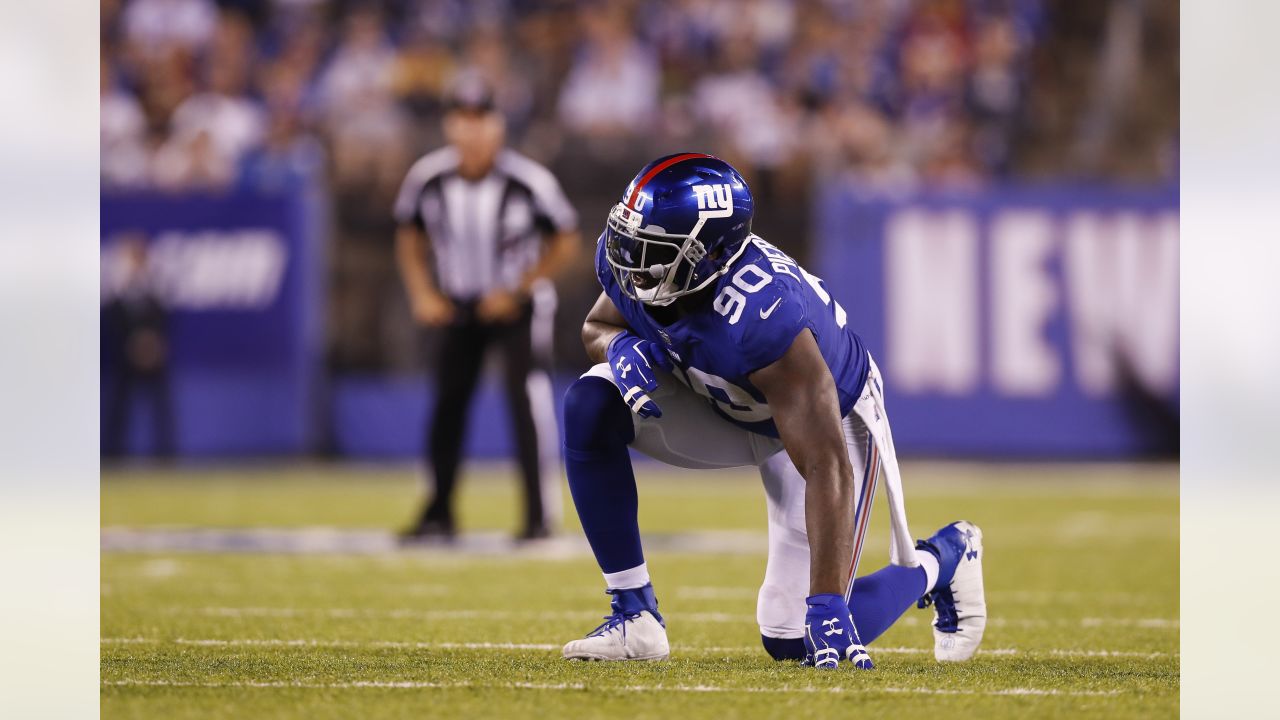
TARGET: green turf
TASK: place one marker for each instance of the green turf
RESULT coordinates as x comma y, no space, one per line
1081,561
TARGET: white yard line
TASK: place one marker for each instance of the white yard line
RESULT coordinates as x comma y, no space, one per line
716,593
428,685
322,540
730,592
691,649
1026,597
419,614
709,617
1161,623
1051,597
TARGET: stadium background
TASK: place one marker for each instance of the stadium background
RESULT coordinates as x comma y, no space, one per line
990,188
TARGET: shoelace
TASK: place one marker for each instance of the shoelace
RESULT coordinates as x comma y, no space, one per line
945,605
613,621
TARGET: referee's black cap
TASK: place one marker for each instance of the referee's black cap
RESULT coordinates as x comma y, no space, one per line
469,92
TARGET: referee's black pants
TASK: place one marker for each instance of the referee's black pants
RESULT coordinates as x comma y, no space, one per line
461,360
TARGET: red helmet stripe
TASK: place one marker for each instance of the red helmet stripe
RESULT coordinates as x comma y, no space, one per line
635,192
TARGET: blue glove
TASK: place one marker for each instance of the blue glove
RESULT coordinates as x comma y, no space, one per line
632,360
829,634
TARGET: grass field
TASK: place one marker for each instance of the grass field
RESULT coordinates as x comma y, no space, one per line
1082,582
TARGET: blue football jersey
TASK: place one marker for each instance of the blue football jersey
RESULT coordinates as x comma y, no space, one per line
760,305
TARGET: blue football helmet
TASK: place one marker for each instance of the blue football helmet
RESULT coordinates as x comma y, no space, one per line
682,222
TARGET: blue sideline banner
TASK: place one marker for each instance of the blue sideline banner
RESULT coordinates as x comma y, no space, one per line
1013,323
241,277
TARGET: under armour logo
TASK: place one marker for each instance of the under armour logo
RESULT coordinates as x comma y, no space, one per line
623,368
971,552
831,627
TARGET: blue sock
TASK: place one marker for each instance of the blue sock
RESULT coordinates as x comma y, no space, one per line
783,648
880,598
597,430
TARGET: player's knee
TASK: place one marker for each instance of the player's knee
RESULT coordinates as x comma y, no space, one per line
595,416
783,648
780,609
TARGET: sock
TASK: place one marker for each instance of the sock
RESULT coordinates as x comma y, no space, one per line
929,562
946,546
880,598
783,648
636,600
628,579
597,429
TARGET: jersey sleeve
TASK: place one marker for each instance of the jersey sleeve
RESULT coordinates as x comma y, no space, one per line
551,206
408,205
773,318
405,211
551,203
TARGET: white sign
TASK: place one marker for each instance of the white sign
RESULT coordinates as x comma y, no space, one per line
957,317
206,270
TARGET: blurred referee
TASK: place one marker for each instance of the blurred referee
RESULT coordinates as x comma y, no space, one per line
482,231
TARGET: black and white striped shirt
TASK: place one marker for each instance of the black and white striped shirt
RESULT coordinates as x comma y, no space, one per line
487,233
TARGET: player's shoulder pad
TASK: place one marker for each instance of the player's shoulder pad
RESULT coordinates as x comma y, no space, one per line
608,283
423,171
775,312
603,273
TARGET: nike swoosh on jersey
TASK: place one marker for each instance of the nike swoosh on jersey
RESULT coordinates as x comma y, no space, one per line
766,313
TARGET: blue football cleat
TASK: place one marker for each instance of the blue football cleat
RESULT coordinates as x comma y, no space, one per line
959,599
830,635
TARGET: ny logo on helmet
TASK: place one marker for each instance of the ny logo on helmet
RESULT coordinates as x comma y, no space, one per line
714,197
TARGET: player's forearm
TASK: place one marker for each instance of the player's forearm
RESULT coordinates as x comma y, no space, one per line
604,322
806,411
815,442
596,336
828,505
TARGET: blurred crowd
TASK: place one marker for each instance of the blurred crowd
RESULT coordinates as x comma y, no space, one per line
198,93
888,94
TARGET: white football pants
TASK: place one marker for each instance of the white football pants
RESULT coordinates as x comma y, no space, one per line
690,434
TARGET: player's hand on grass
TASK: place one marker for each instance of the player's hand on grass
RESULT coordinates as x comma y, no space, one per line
633,360
830,635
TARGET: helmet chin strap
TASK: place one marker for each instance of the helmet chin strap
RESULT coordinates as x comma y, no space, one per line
724,267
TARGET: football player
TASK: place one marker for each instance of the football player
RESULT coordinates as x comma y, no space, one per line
716,349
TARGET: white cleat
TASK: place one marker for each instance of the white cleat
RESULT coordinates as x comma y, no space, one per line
960,609
635,637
